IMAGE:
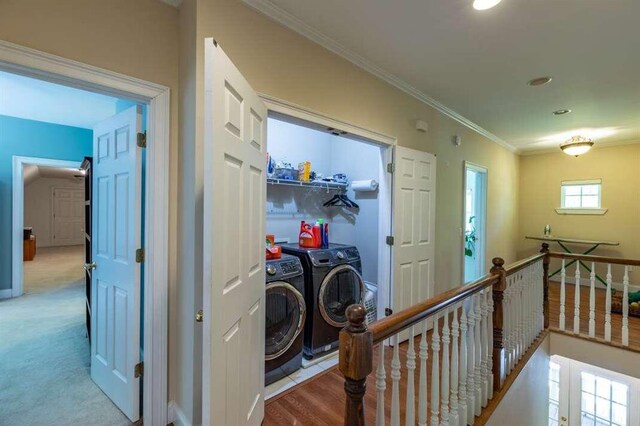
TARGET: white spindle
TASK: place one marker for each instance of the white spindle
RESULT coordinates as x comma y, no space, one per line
576,302
410,417
444,378
479,354
607,306
592,301
563,277
625,308
381,386
484,342
435,373
490,331
471,362
454,418
463,368
395,386
507,323
422,392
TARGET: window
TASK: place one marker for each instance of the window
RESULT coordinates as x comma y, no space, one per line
554,394
603,401
581,194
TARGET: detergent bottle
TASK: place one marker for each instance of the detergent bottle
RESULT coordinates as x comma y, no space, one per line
306,237
317,233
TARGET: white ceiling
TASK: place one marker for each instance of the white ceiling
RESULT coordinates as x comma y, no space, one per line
25,97
477,63
32,173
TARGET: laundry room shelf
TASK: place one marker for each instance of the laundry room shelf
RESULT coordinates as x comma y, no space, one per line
315,185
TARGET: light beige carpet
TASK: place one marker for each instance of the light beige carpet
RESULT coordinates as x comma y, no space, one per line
44,350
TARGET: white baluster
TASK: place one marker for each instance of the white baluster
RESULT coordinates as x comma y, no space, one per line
607,306
625,308
410,418
592,301
422,392
471,362
395,383
381,386
563,277
484,342
446,371
454,419
479,354
576,301
490,331
435,373
506,306
463,368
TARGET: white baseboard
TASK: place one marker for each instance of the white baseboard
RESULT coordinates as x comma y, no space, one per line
585,282
176,416
5,293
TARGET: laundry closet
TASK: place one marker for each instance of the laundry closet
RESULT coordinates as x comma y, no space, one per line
338,186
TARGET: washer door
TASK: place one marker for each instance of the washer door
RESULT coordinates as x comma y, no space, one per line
285,315
343,286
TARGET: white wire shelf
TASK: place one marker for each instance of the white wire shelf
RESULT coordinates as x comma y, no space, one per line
315,184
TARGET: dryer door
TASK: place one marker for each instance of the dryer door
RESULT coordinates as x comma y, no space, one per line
286,311
343,286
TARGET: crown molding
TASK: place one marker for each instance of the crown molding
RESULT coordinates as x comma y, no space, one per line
285,18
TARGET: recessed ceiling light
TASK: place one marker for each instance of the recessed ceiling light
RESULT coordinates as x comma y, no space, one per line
539,81
562,112
485,4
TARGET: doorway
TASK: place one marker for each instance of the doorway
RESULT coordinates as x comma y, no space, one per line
30,63
475,221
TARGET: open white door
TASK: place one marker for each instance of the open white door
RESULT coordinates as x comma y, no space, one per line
235,129
414,215
115,281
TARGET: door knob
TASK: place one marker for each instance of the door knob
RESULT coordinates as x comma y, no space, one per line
199,315
90,266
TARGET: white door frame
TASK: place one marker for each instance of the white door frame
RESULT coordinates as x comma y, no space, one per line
33,63
385,187
467,165
17,212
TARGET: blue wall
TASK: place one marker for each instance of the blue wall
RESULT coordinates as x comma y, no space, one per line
28,138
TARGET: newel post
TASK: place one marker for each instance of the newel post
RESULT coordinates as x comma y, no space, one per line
545,282
499,359
356,362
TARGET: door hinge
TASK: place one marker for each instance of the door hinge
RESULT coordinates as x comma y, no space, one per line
139,255
390,240
138,370
388,311
391,167
142,139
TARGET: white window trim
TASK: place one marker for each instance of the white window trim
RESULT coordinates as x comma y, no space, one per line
580,210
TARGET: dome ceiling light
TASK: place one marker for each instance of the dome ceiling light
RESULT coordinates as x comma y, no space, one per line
485,4
577,145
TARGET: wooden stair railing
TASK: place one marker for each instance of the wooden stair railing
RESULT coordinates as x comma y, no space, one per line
590,263
487,327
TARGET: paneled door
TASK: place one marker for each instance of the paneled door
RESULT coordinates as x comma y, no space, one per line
115,279
414,214
235,129
68,216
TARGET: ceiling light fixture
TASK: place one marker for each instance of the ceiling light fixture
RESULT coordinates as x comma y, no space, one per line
539,81
577,145
561,112
485,4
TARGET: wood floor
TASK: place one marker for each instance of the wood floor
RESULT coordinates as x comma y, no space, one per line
320,401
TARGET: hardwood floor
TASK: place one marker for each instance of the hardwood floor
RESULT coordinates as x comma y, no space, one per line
320,401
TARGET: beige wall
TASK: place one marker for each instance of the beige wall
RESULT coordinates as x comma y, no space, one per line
619,169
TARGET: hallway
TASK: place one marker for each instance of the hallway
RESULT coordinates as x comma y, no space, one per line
44,350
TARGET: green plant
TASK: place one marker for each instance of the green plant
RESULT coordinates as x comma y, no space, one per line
470,238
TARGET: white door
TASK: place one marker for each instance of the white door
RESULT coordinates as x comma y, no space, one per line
414,215
115,281
68,216
235,129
